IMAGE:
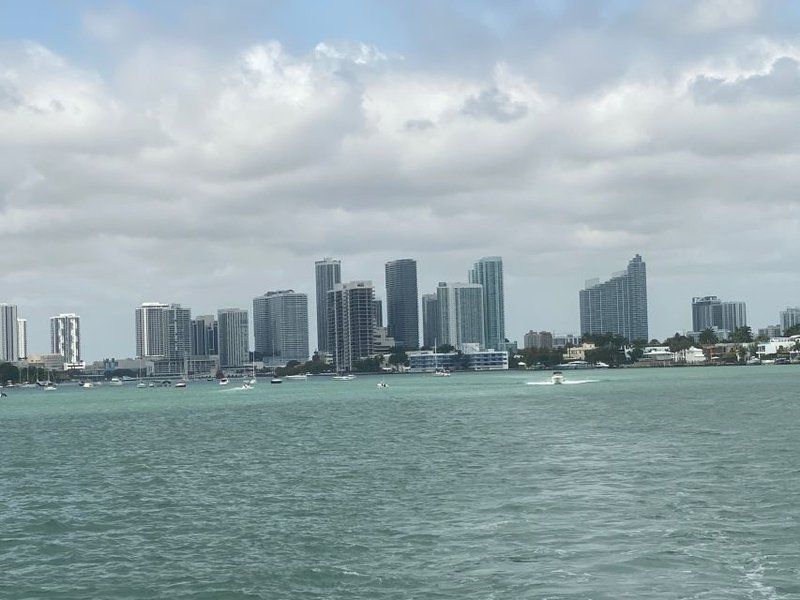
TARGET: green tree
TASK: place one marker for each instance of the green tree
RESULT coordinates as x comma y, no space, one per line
708,337
8,372
742,335
793,330
678,342
398,358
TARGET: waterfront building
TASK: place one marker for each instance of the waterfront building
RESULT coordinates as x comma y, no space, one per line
280,327
771,331
461,316
789,318
381,342
205,336
234,327
163,330
9,333
542,340
617,306
351,323
402,302
65,339
430,320
488,272
471,357
328,273
22,338
565,340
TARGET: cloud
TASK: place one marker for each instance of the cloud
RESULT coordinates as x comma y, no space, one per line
181,173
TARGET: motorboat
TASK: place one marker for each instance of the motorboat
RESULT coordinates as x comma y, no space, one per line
383,384
276,379
115,381
557,378
301,377
86,384
343,377
180,384
141,384
223,381
49,387
441,373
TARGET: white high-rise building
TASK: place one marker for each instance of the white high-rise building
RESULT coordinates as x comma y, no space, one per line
233,330
328,273
22,337
461,316
9,333
65,339
163,330
351,323
789,318
488,272
280,326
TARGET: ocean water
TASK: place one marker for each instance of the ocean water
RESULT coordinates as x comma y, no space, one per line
651,483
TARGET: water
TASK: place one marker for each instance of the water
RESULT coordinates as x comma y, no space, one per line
657,483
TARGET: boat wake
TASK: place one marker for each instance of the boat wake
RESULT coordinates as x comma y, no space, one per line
565,382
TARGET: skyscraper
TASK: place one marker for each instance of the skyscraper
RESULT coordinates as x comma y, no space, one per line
711,312
617,306
402,309
734,315
328,273
430,320
205,336
488,272
9,333
280,326
351,323
233,337
461,316
22,337
163,330
65,338
789,318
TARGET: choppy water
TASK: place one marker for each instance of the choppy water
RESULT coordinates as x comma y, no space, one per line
674,483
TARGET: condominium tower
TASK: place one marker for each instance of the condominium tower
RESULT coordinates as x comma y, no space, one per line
402,309
233,337
163,331
205,336
280,326
65,338
351,323
789,318
461,315
430,320
711,312
488,272
328,273
617,306
9,333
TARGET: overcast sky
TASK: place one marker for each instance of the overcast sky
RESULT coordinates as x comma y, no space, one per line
206,152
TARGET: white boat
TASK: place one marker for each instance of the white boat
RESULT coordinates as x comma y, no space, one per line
86,384
180,384
441,373
301,377
383,384
276,379
115,381
343,377
557,378
141,384
223,381
49,387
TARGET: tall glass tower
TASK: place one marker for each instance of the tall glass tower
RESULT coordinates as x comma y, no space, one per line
280,326
328,273
233,337
488,272
402,310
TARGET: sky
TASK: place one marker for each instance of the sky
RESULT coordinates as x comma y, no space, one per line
205,152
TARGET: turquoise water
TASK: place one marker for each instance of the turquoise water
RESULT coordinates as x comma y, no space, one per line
656,483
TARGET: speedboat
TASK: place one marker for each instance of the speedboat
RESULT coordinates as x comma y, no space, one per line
223,381
115,381
441,373
180,384
276,379
86,384
383,384
141,384
557,378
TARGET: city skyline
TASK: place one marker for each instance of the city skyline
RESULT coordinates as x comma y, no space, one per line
202,154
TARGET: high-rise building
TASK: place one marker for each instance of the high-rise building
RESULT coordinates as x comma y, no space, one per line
789,318
378,312
22,337
461,316
488,272
65,338
163,331
430,320
280,326
233,337
617,306
402,308
328,273
709,312
351,323
543,340
9,333
205,336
